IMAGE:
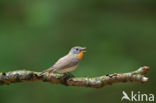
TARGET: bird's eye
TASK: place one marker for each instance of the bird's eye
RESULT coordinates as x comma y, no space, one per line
77,49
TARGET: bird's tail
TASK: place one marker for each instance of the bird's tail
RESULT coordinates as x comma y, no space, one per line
48,70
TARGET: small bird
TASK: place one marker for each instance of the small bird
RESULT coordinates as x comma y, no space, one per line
69,62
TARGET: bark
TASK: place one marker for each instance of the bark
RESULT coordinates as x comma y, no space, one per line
68,80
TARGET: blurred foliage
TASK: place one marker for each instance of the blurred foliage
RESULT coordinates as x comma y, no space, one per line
120,36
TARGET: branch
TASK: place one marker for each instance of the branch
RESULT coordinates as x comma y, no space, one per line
94,82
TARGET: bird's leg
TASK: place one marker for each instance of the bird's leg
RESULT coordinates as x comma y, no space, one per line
65,77
69,74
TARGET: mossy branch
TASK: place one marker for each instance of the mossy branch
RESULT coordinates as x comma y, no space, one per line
94,82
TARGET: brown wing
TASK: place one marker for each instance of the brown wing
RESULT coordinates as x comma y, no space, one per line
65,62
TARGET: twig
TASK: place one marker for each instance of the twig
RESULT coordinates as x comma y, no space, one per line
94,82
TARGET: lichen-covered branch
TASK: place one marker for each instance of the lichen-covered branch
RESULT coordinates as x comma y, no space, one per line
93,82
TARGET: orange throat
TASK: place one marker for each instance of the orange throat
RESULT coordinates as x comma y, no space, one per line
80,55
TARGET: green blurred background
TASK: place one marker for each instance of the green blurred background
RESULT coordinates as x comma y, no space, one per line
120,36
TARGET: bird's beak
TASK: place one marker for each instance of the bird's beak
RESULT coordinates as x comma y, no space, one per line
83,49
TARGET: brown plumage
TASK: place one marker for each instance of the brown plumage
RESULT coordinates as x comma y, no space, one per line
69,62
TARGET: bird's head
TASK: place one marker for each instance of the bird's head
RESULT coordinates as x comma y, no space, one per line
79,51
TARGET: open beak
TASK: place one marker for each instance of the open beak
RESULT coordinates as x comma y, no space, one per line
83,49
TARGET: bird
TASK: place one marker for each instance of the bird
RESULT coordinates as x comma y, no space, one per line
69,62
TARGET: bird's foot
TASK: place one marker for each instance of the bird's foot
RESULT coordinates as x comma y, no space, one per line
65,77
69,75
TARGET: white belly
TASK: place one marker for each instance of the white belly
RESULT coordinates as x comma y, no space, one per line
67,69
